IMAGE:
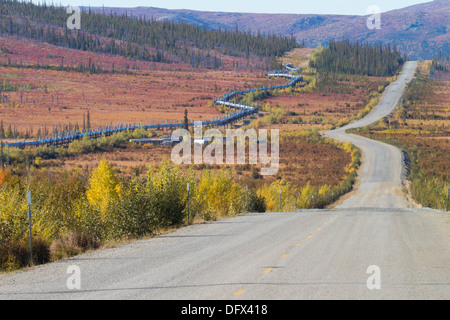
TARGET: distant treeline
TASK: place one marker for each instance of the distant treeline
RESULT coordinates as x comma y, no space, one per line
440,67
137,37
357,58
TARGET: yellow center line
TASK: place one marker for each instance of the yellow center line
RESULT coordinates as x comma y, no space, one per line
318,230
240,292
284,255
268,271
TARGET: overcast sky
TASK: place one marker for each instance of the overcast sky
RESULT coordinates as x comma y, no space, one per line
349,7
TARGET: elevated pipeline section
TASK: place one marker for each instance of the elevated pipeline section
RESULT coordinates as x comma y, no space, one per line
228,100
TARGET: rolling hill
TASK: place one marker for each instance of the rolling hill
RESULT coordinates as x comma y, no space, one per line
420,31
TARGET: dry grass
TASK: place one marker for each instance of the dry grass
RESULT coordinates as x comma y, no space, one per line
60,97
298,57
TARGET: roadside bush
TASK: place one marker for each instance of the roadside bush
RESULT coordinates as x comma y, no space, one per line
167,186
309,197
72,244
16,254
218,195
54,200
103,188
13,213
271,195
41,251
87,219
133,214
5,176
256,203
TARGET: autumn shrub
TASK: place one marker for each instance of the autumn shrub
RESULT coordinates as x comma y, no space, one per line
87,219
16,254
13,213
103,188
309,197
72,244
13,227
167,186
279,196
5,176
54,199
41,250
83,146
59,250
22,156
140,133
253,96
133,213
219,195
256,203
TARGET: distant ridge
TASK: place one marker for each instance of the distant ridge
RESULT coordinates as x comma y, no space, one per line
421,31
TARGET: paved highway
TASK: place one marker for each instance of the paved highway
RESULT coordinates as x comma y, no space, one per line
309,254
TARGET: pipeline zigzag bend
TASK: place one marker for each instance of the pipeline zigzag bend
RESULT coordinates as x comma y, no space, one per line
242,111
